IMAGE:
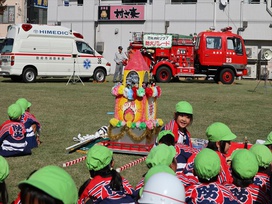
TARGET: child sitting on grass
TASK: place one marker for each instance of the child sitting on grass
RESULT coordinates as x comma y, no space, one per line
13,134
183,117
105,185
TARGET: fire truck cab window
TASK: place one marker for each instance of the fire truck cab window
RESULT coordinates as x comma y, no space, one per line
235,44
213,43
238,46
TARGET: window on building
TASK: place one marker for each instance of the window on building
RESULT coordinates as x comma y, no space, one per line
254,1
134,1
72,2
8,15
185,1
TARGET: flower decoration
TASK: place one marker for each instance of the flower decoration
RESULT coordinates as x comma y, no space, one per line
148,92
121,89
149,124
134,89
159,122
114,122
155,92
140,92
142,126
158,90
133,92
129,123
133,125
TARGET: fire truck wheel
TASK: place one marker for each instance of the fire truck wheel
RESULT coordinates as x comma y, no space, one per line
227,76
163,74
29,75
99,75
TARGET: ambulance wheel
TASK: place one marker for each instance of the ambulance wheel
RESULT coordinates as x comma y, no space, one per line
99,75
227,76
163,74
29,75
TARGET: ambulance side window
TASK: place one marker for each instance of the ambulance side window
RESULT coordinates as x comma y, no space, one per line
7,45
84,48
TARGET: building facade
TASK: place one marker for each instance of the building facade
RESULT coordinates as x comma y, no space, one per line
98,22
23,11
106,24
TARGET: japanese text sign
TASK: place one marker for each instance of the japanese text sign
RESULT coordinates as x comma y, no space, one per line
157,40
121,13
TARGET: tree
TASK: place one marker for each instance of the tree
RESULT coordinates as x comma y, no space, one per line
2,6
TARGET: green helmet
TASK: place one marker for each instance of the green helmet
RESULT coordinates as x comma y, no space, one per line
4,169
207,164
54,181
15,111
219,132
98,157
184,107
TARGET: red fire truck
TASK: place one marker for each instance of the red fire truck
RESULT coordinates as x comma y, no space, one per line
217,54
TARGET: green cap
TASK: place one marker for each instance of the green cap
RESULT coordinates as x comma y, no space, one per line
23,103
4,169
160,155
54,181
207,164
15,111
263,154
98,157
158,169
269,139
244,163
184,107
219,132
163,133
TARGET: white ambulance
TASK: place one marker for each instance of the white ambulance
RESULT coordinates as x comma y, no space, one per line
32,51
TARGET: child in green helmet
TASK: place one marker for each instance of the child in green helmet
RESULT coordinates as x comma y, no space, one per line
219,140
105,185
4,172
208,190
244,167
32,125
13,134
264,158
159,155
268,141
48,185
183,117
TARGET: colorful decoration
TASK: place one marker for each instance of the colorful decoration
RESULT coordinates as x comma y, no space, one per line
135,102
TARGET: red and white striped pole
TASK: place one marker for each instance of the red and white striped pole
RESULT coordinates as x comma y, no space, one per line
131,164
122,168
75,161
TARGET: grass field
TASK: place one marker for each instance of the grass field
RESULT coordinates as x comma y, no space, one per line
67,110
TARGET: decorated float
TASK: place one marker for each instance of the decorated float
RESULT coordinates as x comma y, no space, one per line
135,125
